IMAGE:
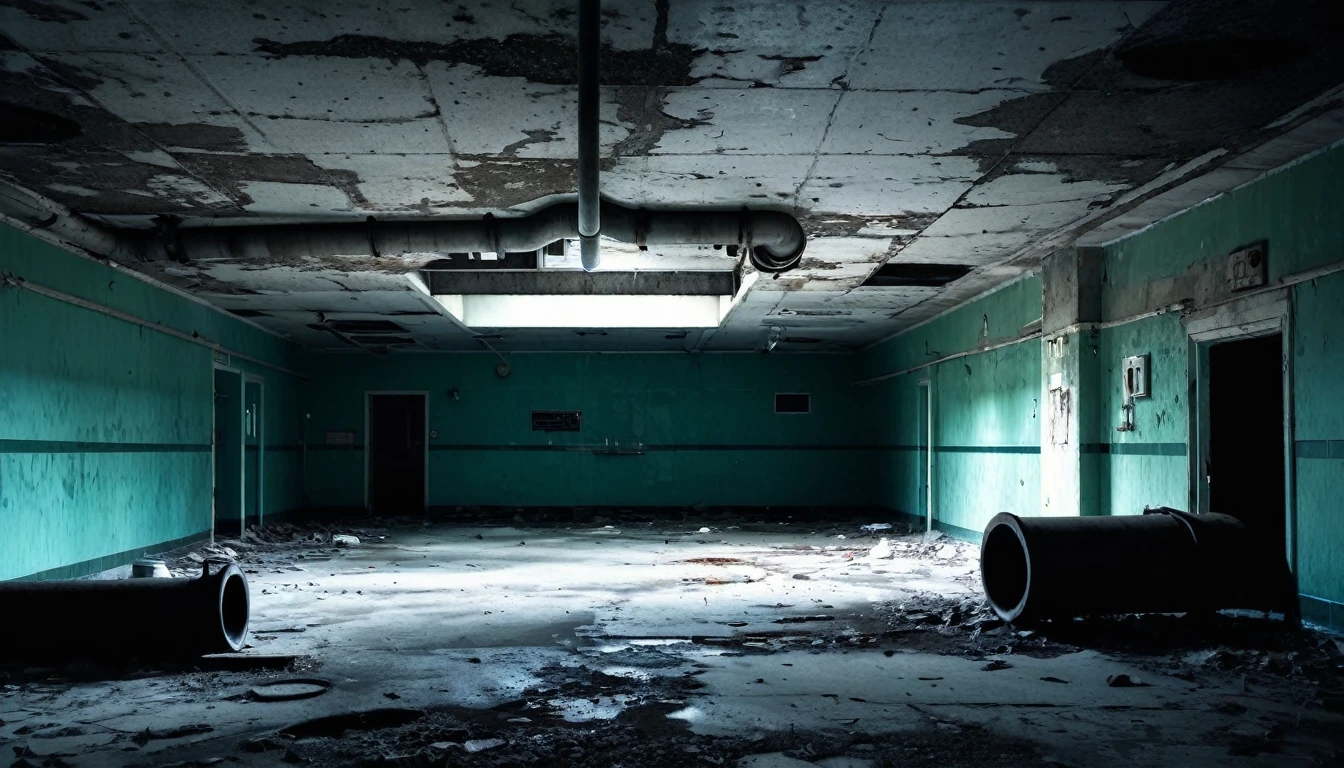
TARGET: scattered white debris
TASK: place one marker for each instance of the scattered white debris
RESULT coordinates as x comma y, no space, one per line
881,551
875,527
704,530
480,745
444,745
345,540
840,536
947,551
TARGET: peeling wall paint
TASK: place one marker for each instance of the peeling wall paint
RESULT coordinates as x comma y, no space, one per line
986,413
105,426
1296,210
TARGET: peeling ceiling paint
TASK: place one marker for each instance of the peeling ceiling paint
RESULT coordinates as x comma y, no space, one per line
937,132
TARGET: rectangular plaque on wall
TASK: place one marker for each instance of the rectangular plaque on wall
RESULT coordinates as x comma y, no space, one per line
556,421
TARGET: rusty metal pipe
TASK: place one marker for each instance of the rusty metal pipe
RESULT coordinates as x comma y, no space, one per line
153,618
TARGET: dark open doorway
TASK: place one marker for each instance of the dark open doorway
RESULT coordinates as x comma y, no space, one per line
396,454
1245,462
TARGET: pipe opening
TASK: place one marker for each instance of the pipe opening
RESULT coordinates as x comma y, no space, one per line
1003,569
233,609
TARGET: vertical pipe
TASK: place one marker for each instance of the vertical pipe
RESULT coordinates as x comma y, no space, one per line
590,51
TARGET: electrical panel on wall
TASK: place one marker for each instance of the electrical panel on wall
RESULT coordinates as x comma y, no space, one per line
1246,268
1135,371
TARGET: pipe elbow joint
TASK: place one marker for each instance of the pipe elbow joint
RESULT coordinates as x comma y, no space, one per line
778,243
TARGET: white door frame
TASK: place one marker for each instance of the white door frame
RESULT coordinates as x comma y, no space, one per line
1257,315
260,425
368,448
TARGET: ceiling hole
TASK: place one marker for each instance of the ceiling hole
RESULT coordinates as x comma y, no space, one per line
22,125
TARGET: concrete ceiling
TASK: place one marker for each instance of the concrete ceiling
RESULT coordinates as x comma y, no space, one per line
970,133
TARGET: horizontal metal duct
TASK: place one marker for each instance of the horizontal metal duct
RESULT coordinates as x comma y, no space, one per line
536,282
776,239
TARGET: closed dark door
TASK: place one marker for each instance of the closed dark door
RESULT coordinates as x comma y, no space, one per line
396,454
1245,466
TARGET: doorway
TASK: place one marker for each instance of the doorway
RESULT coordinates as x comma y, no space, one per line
227,445
397,453
253,459
1244,466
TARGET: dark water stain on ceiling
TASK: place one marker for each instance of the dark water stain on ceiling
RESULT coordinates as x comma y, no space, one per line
546,59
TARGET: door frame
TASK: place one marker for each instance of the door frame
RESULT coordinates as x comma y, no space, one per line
1254,316
260,381
926,385
368,447
216,366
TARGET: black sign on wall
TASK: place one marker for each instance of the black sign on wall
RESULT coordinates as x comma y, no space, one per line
556,421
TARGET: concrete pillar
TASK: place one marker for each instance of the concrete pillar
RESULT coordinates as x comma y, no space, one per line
1071,305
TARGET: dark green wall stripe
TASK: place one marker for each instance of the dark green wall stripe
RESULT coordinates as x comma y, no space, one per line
1136,449
986,449
647,448
1023,449
70,446
76,570
1320,449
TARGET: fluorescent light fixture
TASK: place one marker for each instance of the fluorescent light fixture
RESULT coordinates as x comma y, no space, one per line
579,311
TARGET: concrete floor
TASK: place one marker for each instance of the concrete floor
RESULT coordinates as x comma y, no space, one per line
737,644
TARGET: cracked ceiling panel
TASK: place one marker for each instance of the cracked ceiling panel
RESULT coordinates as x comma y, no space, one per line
766,44
981,134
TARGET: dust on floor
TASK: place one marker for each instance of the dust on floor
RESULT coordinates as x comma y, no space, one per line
648,642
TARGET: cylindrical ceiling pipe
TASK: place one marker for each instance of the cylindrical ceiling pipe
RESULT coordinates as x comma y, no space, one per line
39,216
590,206
1163,561
774,238
151,618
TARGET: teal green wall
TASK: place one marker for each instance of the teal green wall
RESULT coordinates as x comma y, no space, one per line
707,421
1318,426
1147,467
986,411
105,425
1297,210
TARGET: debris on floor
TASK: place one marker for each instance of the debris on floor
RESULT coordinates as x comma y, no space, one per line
590,648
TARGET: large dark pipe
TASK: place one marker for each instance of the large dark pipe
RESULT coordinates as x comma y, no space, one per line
590,205
154,618
1163,561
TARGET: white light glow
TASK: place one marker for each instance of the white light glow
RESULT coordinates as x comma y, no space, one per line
574,311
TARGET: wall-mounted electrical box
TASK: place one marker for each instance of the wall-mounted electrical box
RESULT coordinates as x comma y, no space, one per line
1135,371
1246,268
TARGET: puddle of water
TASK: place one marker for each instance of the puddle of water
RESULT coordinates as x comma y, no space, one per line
584,710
